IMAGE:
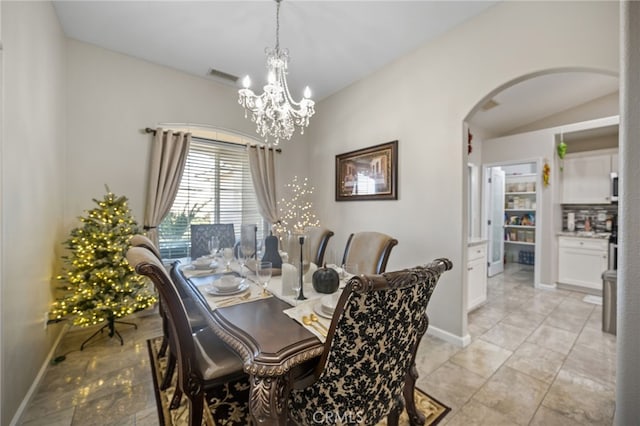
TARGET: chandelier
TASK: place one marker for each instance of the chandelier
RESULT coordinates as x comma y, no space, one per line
275,112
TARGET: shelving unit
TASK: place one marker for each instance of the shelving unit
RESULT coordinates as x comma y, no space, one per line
520,218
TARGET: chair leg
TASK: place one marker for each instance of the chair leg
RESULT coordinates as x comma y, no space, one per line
416,418
163,347
393,418
175,400
196,407
168,375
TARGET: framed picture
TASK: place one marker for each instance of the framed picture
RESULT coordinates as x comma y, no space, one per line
368,174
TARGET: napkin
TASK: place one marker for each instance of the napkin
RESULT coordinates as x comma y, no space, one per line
306,309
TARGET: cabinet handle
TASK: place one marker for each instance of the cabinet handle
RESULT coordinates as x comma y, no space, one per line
469,268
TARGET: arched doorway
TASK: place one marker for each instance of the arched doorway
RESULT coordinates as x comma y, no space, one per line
530,102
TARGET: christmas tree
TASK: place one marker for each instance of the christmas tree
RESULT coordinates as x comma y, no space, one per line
296,211
100,284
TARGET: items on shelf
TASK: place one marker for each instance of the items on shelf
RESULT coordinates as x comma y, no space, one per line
526,257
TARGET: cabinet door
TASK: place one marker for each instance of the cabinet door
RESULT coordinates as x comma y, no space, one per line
586,179
477,282
581,267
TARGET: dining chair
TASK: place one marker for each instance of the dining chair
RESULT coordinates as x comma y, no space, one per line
196,320
367,370
369,251
318,239
204,361
139,240
201,234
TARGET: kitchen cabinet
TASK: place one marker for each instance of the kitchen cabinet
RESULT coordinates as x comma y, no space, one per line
476,275
581,261
586,177
520,217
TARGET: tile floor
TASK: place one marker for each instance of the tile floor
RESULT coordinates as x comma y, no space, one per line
537,357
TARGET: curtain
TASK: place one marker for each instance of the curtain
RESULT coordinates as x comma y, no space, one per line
263,175
168,158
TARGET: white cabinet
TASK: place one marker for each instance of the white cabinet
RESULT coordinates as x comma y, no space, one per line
586,178
582,261
476,275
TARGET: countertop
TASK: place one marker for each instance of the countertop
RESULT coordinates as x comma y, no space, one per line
475,242
582,234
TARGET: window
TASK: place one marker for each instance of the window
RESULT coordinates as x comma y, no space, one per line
216,187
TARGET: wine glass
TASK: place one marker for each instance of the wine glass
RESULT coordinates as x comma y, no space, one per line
213,245
227,253
263,272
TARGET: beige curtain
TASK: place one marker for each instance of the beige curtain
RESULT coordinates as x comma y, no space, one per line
168,158
263,175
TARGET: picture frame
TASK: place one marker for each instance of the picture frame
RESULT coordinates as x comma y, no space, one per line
368,174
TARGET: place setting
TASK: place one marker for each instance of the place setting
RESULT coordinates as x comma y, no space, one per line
232,289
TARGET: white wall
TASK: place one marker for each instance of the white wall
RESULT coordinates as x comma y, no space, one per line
422,100
33,149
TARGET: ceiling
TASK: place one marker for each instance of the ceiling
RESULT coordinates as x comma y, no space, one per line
331,44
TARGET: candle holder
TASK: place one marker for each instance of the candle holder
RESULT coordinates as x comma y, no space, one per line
301,269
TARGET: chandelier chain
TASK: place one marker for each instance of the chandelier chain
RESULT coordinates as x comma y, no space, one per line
278,25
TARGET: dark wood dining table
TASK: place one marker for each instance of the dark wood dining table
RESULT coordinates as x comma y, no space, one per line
276,350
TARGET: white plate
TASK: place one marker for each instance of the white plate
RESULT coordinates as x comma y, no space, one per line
227,283
200,265
214,291
317,308
329,302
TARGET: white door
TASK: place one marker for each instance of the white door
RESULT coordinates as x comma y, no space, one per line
495,221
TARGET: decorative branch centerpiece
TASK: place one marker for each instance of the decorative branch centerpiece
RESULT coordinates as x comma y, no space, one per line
100,285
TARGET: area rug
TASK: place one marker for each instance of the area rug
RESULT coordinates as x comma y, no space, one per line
227,405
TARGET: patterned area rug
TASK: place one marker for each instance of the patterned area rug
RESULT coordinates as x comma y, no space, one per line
227,405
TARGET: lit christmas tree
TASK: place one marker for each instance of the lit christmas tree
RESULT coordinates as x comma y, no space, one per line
100,284
296,211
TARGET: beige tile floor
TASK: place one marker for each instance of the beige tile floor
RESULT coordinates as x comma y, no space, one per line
537,357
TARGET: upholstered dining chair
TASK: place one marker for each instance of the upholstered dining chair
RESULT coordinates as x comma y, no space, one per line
369,251
367,370
318,239
201,234
139,240
204,361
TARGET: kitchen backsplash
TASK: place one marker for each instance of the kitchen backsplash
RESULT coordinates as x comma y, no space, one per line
598,215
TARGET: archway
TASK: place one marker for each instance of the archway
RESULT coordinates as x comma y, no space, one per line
599,100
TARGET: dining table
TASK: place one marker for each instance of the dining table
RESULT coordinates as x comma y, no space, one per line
269,328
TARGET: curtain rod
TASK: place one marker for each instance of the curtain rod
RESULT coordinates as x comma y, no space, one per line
278,150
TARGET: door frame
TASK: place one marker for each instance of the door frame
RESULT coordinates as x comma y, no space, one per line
539,220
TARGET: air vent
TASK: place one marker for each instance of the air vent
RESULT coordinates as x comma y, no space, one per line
489,105
222,76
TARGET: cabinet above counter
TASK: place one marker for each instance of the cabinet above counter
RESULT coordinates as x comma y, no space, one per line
586,178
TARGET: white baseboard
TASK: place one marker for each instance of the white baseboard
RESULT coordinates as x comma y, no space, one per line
449,337
543,286
39,376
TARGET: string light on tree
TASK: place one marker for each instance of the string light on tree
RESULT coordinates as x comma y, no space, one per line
296,210
100,285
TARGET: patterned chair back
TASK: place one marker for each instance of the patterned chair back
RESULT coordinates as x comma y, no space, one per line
369,251
371,346
201,235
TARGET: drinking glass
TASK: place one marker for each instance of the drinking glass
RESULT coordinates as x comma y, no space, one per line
214,245
227,253
263,273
